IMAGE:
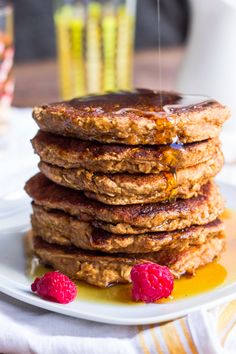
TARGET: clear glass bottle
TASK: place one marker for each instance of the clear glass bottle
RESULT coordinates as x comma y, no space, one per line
95,40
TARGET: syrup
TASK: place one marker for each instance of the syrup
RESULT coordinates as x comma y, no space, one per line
159,45
160,107
185,102
218,273
144,101
171,183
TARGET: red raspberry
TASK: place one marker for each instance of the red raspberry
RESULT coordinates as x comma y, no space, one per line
55,286
151,282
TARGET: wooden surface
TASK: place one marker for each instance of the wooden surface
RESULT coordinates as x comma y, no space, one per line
37,82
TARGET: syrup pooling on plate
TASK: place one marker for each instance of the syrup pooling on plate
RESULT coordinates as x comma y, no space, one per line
220,272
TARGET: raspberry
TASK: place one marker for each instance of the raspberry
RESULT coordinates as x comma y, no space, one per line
55,286
151,282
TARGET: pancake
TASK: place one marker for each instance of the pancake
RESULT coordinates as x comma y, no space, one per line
112,158
121,189
139,117
102,270
60,228
128,219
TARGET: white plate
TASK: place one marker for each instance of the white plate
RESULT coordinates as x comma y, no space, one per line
14,282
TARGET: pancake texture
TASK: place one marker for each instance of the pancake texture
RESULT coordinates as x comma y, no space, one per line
102,270
117,158
133,118
60,228
127,178
121,189
128,219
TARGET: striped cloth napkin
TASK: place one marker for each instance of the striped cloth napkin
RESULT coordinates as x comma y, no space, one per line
204,332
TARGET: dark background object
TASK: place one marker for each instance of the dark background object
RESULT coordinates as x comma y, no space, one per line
174,21
34,29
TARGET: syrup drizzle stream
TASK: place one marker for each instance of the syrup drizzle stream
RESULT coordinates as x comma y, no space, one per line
159,48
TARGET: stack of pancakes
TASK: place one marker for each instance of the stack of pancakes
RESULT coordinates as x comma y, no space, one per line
127,178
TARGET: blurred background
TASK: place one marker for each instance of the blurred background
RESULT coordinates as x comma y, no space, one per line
36,71
68,48
39,41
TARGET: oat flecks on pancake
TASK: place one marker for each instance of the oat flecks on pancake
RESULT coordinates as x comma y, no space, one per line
127,177
60,228
113,158
133,118
101,269
203,208
124,189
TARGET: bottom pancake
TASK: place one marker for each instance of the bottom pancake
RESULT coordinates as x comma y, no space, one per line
102,270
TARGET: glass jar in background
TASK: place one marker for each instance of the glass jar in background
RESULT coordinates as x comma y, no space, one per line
6,62
95,44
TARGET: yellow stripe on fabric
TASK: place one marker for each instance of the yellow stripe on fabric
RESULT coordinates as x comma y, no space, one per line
155,340
226,316
142,340
227,332
172,339
188,336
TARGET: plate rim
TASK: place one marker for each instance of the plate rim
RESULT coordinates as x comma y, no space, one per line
69,311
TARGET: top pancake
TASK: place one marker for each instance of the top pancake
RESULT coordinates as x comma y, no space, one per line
138,117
